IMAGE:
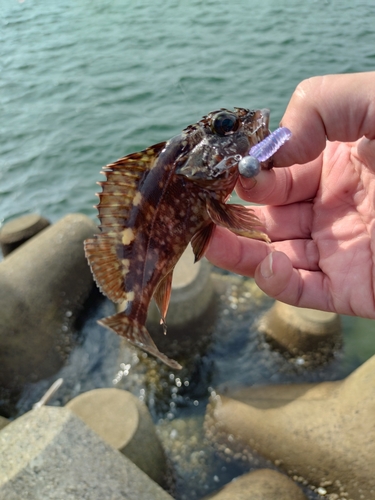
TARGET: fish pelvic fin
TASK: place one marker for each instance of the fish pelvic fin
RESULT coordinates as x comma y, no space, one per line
136,334
239,219
201,240
162,296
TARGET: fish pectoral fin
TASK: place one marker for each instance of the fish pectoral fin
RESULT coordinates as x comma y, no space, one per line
162,296
106,267
136,334
239,219
201,240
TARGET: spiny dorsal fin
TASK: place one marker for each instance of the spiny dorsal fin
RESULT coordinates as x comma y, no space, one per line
120,190
119,194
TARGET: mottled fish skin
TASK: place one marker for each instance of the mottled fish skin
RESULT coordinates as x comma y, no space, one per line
153,203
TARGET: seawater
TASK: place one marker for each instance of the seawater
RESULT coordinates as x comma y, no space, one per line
84,82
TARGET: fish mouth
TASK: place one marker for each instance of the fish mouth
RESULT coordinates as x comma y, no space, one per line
257,129
256,125
265,112
260,123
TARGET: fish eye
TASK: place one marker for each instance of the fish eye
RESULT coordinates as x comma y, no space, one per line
224,123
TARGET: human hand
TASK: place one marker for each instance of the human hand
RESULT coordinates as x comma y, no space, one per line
320,211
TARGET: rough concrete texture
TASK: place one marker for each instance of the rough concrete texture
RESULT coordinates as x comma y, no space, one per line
3,422
43,286
300,331
19,230
50,453
323,433
263,484
125,423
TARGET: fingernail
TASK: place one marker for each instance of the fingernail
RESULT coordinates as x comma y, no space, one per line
247,183
266,266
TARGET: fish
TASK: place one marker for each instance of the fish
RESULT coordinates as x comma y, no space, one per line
156,201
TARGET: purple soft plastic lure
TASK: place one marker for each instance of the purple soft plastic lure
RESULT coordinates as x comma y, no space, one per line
272,143
249,166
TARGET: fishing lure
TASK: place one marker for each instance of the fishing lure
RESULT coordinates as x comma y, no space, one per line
249,166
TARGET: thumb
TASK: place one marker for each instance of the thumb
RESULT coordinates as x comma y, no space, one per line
274,275
277,278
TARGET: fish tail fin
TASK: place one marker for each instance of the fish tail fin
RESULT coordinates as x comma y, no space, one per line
136,334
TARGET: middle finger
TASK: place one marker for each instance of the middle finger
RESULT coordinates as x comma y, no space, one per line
288,222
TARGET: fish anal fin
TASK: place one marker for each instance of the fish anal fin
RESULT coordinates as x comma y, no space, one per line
201,240
136,334
162,296
120,190
108,271
239,219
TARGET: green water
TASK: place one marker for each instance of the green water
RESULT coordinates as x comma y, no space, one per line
83,82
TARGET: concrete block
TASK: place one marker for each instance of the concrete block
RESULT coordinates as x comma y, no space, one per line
3,422
263,484
322,433
44,284
125,423
313,335
50,454
19,230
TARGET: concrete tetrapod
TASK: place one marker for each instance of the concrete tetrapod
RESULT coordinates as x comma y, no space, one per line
50,453
322,433
44,284
313,335
19,230
3,422
125,423
262,484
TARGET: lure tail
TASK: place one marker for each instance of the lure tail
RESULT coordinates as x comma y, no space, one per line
136,334
272,143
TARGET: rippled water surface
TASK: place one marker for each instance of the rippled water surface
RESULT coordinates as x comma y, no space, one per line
83,82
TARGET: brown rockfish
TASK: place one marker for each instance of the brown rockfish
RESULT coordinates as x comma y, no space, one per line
154,202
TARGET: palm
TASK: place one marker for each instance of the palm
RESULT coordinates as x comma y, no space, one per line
342,215
320,215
